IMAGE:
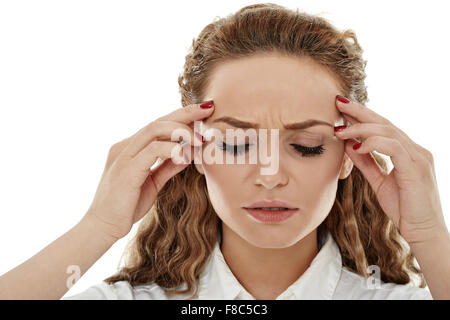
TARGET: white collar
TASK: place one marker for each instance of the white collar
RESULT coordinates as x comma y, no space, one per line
319,281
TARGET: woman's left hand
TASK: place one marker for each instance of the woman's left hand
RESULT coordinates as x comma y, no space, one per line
409,193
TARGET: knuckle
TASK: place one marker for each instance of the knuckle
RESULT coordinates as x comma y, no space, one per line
354,126
401,133
372,139
387,122
151,126
399,144
380,141
153,147
156,129
358,105
183,132
387,128
426,168
115,149
392,131
369,141
169,130
157,149
429,155
190,110
426,153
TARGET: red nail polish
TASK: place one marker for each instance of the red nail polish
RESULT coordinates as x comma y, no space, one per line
342,99
207,104
339,128
200,137
357,145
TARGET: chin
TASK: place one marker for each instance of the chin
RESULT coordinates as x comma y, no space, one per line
267,242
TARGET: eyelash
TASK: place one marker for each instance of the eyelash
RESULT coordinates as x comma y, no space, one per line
305,151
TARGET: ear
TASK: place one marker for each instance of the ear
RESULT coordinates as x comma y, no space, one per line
346,167
199,166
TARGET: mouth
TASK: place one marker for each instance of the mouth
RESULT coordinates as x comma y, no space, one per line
273,205
271,215
271,210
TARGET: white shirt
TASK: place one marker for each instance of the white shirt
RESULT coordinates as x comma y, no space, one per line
324,279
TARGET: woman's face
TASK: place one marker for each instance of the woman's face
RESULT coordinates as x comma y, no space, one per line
272,91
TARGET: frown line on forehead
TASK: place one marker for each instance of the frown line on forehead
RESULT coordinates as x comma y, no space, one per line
293,126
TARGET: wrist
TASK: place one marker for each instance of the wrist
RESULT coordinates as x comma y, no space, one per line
92,226
439,236
427,231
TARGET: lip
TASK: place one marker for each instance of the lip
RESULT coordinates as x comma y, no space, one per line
271,216
270,204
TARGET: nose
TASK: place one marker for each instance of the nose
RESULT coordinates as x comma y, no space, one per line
270,181
274,173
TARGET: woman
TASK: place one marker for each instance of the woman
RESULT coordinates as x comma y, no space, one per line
345,227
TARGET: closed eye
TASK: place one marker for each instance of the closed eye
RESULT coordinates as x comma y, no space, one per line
303,150
234,149
308,151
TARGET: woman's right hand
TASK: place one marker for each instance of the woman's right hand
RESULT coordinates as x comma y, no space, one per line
128,188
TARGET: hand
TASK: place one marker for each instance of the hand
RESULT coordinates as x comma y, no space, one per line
408,194
128,188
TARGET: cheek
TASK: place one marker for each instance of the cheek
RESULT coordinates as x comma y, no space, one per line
223,184
317,184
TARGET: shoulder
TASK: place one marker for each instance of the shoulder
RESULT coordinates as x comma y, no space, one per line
121,290
356,287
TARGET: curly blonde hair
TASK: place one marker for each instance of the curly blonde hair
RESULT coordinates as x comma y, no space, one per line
177,236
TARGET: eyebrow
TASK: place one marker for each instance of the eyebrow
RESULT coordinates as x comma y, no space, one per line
293,126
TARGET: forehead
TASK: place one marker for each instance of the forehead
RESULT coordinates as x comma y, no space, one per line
273,84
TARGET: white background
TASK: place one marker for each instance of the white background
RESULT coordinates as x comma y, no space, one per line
78,76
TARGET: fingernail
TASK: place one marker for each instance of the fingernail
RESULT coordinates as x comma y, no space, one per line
207,104
357,145
342,99
339,128
199,137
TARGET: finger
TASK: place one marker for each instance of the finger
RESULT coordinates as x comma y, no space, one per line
391,147
163,130
165,171
366,130
417,152
189,113
366,164
115,150
349,119
156,180
425,153
144,160
185,116
359,112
